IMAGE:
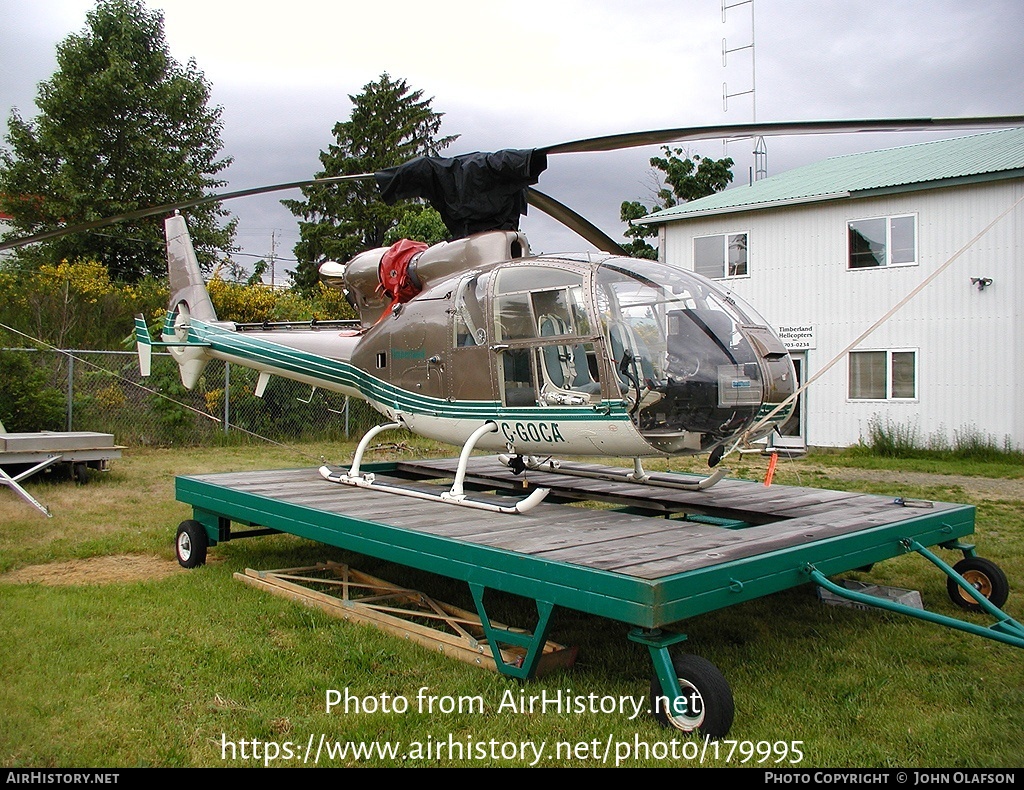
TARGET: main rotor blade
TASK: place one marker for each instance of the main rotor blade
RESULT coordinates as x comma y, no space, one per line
606,143
573,221
168,207
614,142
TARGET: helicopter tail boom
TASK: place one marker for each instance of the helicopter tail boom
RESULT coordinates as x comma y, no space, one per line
315,353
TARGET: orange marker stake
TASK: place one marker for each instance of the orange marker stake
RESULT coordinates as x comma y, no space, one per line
771,469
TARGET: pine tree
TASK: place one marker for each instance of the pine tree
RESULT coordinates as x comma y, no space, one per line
121,126
390,123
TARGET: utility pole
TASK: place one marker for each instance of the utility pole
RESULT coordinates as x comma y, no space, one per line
273,255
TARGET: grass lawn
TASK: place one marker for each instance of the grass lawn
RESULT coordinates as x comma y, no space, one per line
115,657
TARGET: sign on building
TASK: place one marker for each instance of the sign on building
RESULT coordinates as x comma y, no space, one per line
797,337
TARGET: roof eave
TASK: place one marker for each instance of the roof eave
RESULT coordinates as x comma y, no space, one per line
976,178
941,183
654,219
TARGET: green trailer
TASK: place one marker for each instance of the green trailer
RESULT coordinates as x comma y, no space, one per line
652,555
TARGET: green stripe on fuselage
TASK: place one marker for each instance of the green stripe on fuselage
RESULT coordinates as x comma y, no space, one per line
783,414
249,348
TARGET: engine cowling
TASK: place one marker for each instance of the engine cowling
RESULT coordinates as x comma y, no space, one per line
384,276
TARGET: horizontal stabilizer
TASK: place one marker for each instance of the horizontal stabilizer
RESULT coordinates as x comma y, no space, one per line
144,345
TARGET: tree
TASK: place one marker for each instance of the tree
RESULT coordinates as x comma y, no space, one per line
390,123
121,126
638,248
421,223
685,179
27,401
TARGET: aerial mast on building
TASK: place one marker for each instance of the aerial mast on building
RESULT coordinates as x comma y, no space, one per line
760,169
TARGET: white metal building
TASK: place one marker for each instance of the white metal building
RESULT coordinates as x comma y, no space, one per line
826,250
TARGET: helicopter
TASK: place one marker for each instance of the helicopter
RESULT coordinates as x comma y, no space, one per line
479,343
498,349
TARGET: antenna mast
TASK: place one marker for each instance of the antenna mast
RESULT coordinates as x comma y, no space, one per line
760,150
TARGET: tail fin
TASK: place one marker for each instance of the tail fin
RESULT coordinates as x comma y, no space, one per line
186,279
189,300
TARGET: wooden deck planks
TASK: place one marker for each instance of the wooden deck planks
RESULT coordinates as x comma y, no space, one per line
738,499
640,546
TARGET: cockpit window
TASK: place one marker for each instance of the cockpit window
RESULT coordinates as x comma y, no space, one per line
669,320
470,321
542,312
561,312
513,279
539,302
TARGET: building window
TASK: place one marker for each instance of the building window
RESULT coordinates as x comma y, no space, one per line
720,256
883,375
882,241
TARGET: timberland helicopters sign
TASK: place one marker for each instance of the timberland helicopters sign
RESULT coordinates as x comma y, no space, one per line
797,337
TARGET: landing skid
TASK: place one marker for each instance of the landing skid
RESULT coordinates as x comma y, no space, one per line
455,496
638,475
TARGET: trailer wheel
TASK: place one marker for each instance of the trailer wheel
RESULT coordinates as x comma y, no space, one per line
190,544
984,576
712,708
80,472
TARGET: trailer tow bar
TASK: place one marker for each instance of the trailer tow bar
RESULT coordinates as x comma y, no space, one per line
1005,629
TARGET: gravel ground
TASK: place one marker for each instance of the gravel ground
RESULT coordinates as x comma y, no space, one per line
981,487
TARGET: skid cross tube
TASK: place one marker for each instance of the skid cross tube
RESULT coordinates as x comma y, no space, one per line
1006,630
455,496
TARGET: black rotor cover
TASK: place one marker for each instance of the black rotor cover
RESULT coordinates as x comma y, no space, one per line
472,192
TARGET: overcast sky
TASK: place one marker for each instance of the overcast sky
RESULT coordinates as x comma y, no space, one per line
533,73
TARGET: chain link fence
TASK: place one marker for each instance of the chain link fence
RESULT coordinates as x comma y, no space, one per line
103,391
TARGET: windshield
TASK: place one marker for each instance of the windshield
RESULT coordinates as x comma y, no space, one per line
679,352
675,321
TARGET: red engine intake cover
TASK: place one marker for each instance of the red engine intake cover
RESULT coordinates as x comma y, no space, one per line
393,271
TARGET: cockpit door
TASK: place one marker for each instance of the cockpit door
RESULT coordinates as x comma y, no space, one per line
469,358
545,349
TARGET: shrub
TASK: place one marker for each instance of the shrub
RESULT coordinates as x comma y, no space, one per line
890,439
27,402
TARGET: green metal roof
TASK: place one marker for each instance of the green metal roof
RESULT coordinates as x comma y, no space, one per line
989,155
